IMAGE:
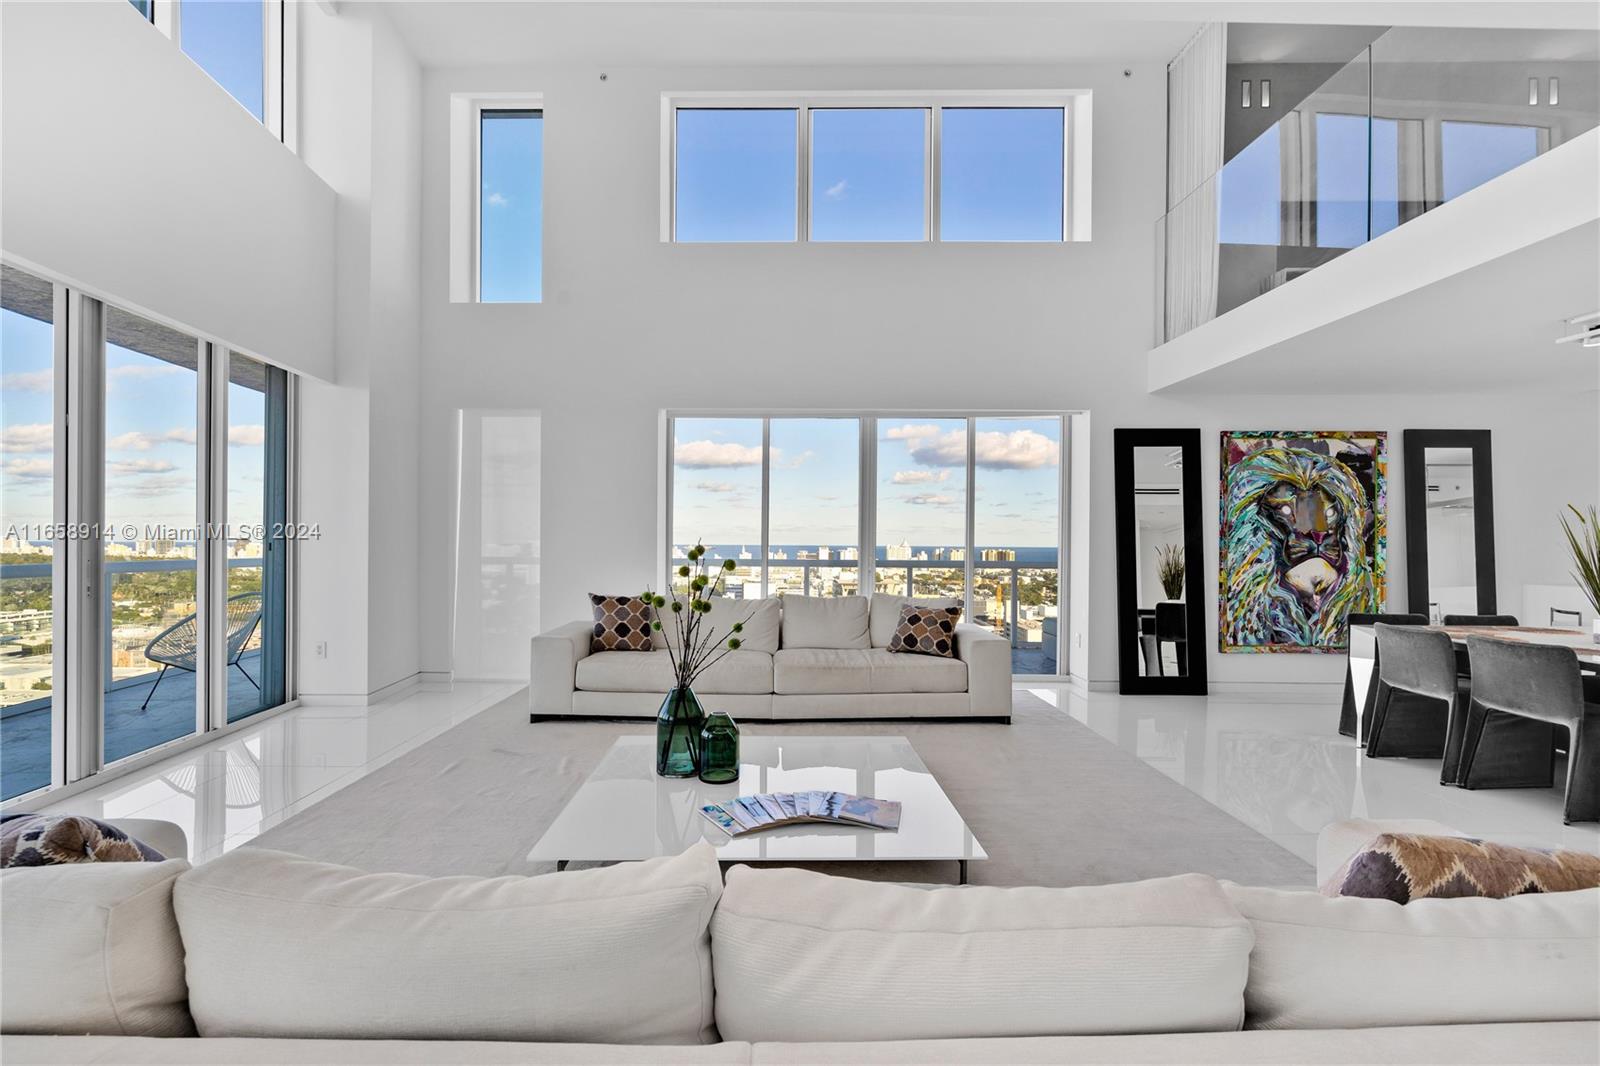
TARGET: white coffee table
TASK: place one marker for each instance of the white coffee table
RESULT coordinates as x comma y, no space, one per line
625,812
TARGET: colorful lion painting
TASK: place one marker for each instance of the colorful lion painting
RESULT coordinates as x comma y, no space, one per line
1302,538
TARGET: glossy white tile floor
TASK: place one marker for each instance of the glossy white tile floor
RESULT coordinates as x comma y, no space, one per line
1278,766
228,791
1282,768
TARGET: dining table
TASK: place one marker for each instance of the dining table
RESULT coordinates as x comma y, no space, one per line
1364,653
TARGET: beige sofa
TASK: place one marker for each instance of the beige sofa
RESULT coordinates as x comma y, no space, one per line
801,657
262,957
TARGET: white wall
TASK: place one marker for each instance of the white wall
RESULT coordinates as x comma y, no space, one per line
631,325
128,170
359,129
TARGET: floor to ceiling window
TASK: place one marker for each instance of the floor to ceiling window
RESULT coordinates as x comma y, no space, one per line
967,507
27,554
113,429
152,390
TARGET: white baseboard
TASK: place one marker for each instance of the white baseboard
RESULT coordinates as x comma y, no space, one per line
385,692
1280,691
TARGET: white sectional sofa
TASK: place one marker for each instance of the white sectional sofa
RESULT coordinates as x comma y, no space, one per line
802,657
263,957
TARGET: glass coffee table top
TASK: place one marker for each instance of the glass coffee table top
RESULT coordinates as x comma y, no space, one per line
624,811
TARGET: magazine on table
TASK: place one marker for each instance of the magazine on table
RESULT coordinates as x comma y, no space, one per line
750,814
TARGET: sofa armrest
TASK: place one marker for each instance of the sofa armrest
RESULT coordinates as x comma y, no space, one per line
988,658
555,667
166,837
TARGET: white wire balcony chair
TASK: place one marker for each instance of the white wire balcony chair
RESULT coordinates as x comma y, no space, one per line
179,644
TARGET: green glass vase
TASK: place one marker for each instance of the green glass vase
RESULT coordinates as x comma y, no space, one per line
678,726
719,750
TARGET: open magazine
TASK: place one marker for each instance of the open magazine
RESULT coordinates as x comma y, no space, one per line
751,814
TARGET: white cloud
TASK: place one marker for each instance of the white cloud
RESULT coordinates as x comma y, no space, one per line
496,200
930,499
29,381
716,486
29,468
248,436
139,441
796,463
1022,449
140,466
38,437
836,190
920,477
143,371
710,455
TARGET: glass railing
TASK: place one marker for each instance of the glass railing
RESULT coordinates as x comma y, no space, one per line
1420,117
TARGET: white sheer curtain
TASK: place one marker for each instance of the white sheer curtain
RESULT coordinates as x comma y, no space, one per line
1196,88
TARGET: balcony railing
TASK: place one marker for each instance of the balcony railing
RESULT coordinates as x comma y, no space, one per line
1417,119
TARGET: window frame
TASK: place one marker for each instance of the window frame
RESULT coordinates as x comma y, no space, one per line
466,190
481,107
77,745
279,55
867,496
1076,107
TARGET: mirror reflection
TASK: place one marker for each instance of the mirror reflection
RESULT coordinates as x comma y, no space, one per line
1452,533
1162,571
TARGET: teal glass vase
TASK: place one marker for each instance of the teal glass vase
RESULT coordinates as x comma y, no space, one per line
719,750
678,726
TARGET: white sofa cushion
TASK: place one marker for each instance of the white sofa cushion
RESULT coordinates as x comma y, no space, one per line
282,946
92,948
818,671
741,672
825,622
803,956
885,613
807,671
761,620
1322,963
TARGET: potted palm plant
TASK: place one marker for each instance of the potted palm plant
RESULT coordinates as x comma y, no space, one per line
693,647
1170,570
1583,541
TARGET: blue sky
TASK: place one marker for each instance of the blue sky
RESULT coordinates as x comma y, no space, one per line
225,38
1001,174
921,486
511,207
150,434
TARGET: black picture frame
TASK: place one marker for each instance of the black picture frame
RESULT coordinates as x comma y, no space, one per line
1130,681
1414,445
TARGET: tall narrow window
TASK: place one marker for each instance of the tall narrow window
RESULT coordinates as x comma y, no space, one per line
257,547
736,174
922,506
868,168
227,39
1003,174
510,206
28,552
1016,501
813,508
152,627
716,497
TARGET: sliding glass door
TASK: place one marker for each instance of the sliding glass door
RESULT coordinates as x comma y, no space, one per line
147,470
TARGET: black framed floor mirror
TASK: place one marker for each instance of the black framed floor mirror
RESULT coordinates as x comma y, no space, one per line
1449,523
1161,633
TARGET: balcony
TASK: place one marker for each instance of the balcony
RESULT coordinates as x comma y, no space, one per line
131,726
1420,123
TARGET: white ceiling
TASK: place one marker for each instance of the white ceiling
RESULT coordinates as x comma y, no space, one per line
667,32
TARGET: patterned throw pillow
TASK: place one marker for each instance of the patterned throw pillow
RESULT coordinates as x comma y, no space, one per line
926,630
621,623
1405,867
55,840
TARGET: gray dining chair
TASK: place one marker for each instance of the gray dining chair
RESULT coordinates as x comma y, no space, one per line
1421,663
1347,710
1463,661
1526,684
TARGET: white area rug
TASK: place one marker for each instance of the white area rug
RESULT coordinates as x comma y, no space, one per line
1052,803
